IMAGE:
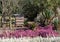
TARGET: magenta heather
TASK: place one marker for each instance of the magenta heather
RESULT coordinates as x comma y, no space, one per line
39,31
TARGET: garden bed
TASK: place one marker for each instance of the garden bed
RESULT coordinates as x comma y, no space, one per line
38,31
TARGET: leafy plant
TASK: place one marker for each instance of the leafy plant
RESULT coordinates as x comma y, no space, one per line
46,17
55,22
25,23
32,26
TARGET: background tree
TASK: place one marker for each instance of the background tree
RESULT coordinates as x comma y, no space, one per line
0,7
30,11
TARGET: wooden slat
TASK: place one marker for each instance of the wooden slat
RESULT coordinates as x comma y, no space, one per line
19,21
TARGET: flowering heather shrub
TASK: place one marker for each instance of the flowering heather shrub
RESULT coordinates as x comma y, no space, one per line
41,31
46,31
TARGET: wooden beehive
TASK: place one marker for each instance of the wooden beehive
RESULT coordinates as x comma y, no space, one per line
19,21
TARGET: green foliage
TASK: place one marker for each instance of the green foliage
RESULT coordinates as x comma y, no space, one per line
55,22
32,26
48,10
48,14
0,7
30,11
33,7
46,7
46,17
26,23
